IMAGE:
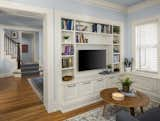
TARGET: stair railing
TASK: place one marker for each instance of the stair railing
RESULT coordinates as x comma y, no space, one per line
12,48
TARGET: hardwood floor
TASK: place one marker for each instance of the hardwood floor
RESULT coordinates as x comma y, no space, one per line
18,102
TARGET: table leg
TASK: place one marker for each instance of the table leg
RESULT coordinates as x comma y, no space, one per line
104,109
142,111
132,111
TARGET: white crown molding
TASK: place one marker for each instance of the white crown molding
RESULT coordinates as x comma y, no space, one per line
145,4
104,4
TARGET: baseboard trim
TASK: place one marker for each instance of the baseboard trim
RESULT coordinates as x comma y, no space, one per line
6,75
80,103
35,90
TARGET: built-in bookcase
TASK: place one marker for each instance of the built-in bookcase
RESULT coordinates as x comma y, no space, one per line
78,34
116,49
68,56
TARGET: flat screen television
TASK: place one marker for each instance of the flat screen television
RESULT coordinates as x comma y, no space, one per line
91,59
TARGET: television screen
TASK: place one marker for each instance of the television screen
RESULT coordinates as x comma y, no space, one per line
91,59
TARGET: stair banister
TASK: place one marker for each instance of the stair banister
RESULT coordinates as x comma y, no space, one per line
12,48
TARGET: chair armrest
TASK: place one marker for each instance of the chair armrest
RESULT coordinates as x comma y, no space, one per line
125,116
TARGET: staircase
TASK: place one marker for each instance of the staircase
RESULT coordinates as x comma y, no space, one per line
30,70
12,52
12,49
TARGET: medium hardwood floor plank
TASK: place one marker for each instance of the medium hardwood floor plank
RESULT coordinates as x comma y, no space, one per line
18,102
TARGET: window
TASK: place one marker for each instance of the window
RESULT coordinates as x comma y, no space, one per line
147,46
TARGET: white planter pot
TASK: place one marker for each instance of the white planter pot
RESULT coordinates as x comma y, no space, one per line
128,69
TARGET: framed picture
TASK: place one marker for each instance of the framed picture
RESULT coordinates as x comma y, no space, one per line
24,48
14,35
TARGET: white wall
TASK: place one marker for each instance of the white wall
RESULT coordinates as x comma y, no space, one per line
27,39
135,16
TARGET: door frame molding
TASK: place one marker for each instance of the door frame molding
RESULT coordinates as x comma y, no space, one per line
48,45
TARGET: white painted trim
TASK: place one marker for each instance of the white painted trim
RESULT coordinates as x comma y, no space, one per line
20,28
6,75
143,5
133,24
104,4
35,90
48,53
86,18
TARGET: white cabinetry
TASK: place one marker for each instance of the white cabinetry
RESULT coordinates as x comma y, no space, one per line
69,92
99,85
85,88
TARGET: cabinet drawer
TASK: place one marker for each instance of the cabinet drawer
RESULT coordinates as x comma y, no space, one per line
99,85
69,92
85,88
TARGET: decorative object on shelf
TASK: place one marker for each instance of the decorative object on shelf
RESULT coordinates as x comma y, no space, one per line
67,62
118,96
109,68
67,78
116,49
116,40
65,37
116,58
116,70
128,64
126,83
116,29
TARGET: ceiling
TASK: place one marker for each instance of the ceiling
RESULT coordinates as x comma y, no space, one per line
20,18
126,3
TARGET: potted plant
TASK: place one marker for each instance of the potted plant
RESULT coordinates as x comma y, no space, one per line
109,67
128,64
126,83
66,37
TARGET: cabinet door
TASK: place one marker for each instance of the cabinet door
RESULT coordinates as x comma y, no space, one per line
99,85
69,92
85,88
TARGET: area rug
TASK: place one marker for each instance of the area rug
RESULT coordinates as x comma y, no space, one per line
110,113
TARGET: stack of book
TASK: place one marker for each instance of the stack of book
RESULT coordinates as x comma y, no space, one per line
67,24
94,28
80,38
101,28
68,50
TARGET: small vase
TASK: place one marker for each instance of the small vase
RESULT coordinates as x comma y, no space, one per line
125,88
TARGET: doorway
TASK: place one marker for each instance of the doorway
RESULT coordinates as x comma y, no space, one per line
48,35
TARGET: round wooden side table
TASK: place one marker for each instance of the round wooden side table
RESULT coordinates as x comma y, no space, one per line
139,101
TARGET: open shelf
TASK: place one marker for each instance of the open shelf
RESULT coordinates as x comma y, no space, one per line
69,68
94,33
84,35
93,44
69,31
67,56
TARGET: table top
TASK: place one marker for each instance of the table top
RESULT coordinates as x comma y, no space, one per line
140,100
